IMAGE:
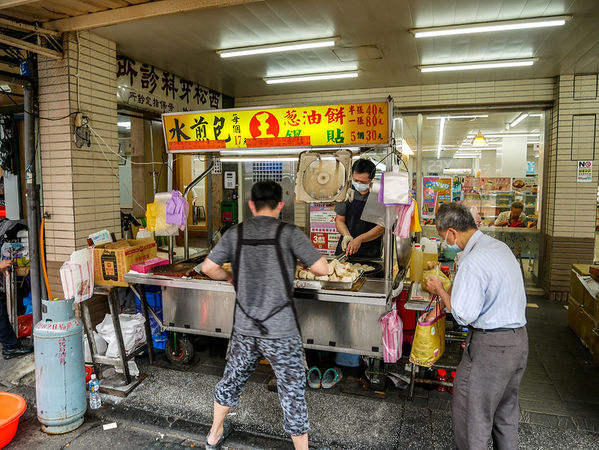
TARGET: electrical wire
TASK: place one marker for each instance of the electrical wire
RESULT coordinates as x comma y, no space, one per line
100,140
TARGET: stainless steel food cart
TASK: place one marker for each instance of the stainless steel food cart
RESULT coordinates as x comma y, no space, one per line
333,320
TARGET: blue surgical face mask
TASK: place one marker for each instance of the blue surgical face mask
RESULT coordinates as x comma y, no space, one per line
453,247
360,187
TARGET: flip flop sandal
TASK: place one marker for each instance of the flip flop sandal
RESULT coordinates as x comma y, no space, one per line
314,378
227,428
331,377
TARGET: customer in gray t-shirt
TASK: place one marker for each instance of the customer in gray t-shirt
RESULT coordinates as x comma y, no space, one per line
263,252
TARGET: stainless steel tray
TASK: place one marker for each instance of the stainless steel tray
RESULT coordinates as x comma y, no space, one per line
317,284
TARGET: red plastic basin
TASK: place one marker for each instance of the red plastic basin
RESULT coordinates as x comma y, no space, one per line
12,407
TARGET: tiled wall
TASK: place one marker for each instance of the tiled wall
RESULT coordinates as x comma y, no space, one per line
570,206
482,93
80,189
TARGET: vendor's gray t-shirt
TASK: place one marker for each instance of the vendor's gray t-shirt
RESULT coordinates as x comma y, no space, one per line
260,286
341,208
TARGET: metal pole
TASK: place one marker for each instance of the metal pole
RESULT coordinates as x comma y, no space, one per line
419,163
189,187
152,153
169,187
32,204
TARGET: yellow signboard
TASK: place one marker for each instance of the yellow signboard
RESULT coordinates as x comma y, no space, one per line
349,124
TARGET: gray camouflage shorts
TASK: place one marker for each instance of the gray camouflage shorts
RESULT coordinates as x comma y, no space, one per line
286,358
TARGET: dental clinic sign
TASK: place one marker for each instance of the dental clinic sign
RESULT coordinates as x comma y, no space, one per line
585,172
144,86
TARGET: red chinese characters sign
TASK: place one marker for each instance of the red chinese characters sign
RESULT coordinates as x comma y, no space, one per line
359,124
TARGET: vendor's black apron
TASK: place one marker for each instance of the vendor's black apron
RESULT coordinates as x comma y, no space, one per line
356,227
286,301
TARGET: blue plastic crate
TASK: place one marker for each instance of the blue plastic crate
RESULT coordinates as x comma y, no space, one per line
154,299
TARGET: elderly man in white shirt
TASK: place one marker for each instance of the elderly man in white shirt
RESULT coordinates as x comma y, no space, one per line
488,296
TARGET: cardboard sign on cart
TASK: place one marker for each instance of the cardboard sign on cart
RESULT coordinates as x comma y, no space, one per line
112,261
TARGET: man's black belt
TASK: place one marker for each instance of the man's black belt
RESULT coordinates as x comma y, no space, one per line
495,330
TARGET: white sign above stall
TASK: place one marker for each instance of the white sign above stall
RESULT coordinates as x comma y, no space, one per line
585,172
143,86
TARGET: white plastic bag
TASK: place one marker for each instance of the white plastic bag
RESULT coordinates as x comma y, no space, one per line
77,275
101,347
132,328
395,188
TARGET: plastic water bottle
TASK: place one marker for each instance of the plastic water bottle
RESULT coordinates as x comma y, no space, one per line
94,393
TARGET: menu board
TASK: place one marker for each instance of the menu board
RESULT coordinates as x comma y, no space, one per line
436,191
323,232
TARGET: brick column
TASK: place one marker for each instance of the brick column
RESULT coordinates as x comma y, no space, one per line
80,185
569,206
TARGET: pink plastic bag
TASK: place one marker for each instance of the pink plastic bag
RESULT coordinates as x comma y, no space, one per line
392,328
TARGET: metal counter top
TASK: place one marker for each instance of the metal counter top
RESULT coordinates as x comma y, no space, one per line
373,292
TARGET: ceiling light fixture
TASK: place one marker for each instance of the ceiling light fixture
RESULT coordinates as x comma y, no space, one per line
278,48
488,27
477,65
473,116
126,125
441,131
518,119
311,77
479,140
258,159
501,135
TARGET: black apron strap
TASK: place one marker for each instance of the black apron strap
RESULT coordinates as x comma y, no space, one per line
241,241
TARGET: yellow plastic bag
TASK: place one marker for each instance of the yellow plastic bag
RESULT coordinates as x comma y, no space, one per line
429,339
151,216
436,272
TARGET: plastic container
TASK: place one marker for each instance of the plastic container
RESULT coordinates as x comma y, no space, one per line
154,299
143,233
88,373
95,402
416,263
12,407
441,376
347,360
446,271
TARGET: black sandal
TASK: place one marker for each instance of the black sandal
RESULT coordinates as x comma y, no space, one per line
227,428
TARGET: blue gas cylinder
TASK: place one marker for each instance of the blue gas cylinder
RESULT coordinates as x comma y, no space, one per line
59,368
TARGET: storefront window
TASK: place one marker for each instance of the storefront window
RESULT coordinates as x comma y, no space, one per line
492,163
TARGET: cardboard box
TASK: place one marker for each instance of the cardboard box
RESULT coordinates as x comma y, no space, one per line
575,315
112,261
576,287
587,326
582,269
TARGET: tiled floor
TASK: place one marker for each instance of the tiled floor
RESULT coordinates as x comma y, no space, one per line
560,386
560,379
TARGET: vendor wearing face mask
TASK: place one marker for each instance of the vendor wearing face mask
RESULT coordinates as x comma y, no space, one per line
358,237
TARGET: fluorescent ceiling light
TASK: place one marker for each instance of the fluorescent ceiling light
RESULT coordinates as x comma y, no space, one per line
473,116
124,124
477,65
311,77
441,131
457,171
502,135
465,156
488,27
277,48
518,119
258,159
